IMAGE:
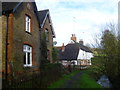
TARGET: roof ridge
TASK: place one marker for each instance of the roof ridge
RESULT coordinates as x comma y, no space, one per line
43,10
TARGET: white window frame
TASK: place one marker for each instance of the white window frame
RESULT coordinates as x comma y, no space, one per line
28,24
82,62
27,50
47,35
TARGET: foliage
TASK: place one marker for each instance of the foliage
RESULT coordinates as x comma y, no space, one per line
60,83
31,81
109,56
43,49
50,74
55,54
97,67
86,82
111,61
43,79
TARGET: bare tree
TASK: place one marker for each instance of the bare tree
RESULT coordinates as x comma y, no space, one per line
108,47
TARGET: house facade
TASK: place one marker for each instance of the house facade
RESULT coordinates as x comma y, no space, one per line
20,38
84,57
47,28
75,54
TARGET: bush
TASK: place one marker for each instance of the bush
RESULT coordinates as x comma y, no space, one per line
50,74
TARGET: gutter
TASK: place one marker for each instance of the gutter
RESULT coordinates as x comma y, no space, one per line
51,25
44,20
17,6
6,13
6,58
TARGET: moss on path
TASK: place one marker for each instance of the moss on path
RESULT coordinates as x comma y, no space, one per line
77,79
72,81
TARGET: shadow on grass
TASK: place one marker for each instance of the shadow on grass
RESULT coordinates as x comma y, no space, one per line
60,83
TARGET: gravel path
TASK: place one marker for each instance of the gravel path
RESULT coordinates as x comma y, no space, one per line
70,83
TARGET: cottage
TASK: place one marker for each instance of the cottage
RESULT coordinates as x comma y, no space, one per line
75,53
47,28
20,38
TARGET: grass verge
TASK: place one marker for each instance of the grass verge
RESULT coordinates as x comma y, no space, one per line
85,81
61,81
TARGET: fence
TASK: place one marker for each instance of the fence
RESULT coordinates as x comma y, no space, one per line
32,81
42,79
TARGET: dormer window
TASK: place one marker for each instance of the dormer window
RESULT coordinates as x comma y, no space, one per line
28,23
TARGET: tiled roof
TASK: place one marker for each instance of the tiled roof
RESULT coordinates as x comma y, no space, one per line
9,6
71,51
42,14
84,48
42,17
12,6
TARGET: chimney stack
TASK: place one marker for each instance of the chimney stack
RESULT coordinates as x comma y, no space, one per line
73,37
81,42
63,48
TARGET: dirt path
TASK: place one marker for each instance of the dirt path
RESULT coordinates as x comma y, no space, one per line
70,83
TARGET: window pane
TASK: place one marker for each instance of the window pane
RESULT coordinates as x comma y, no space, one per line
27,23
46,33
27,55
29,48
26,18
28,58
27,26
24,47
24,57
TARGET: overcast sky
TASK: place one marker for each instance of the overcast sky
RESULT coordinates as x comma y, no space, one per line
84,18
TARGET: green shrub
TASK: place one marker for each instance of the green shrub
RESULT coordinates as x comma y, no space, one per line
85,81
50,73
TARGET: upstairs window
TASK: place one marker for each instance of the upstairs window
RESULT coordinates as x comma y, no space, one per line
28,24
27,55
47,35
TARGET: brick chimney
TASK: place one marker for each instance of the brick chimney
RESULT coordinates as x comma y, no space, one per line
73,37
81,42
63,48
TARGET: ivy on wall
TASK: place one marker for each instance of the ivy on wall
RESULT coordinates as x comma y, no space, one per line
43,49
55,54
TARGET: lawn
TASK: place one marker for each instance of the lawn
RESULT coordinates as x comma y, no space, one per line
84,81
61,81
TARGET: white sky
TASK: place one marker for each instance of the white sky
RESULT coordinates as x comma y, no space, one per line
81,17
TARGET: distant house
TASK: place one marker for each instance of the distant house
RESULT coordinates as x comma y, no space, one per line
20,38
69,53
75,53
47,28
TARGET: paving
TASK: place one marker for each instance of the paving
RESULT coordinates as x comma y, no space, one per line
70,83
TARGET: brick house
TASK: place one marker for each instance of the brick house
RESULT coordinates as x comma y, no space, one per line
47,27
20,38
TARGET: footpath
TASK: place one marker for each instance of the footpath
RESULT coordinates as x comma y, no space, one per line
80,79
72,81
